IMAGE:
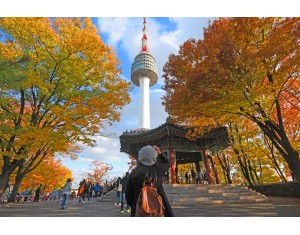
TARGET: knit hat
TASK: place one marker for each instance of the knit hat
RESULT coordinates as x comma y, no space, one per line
147,155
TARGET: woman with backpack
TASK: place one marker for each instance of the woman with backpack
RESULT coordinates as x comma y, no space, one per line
80,193
152,166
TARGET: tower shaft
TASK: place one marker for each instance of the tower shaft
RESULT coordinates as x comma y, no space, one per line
144,112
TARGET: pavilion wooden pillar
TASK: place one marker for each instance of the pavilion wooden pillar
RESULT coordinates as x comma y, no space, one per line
207,167
173,165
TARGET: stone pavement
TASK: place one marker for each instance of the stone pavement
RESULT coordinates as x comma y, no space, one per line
277,207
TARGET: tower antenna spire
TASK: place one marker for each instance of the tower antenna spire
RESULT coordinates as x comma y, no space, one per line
144,74
145,38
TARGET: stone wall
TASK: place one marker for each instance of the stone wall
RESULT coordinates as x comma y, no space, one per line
290,189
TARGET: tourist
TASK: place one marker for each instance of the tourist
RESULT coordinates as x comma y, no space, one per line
124,185
66,193
97,190
119,191
186,177
91,190
87,188
73,195
37,194
105,188
148,171
81,195
193,174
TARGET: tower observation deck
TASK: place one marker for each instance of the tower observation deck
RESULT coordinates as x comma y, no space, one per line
144,74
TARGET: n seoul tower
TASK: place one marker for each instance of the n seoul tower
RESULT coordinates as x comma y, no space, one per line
144,74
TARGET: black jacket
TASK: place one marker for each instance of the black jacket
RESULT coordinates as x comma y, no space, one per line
135,184
124,182
88,186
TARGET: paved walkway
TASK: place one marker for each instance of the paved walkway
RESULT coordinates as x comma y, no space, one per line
277,207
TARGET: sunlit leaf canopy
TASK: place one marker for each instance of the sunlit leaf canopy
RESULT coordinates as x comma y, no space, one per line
59,82
243,68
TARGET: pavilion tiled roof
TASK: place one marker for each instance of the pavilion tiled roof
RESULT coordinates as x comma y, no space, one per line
165,135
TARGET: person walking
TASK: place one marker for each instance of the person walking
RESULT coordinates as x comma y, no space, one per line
105,188
193,174
66,193
37,194
124,185
186,177
150,172
88,187
119,191
97,190
81,192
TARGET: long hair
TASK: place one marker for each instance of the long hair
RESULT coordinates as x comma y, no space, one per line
148,174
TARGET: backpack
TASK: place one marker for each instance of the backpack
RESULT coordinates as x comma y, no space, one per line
80,190
149,203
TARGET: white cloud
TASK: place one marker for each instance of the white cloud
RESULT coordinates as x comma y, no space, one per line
116,27
190,27
85,159
156,91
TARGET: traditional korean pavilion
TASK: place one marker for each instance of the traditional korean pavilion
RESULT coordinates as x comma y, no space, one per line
172,139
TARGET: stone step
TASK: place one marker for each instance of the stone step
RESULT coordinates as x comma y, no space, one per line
211,194
208,186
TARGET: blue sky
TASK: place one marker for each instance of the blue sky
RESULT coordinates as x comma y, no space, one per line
125,34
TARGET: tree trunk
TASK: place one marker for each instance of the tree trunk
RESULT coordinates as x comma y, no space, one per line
277,169
216,172
7,169
270,147
253,172
294,164
13,195
284,147
276,133
245,171
225,167
4,179
228,174
18,180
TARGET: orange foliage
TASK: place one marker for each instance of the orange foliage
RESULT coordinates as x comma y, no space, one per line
50,173
244,68
99,170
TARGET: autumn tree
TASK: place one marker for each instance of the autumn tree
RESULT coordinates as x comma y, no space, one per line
50,173
59,84
99,170
225,165
243,68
